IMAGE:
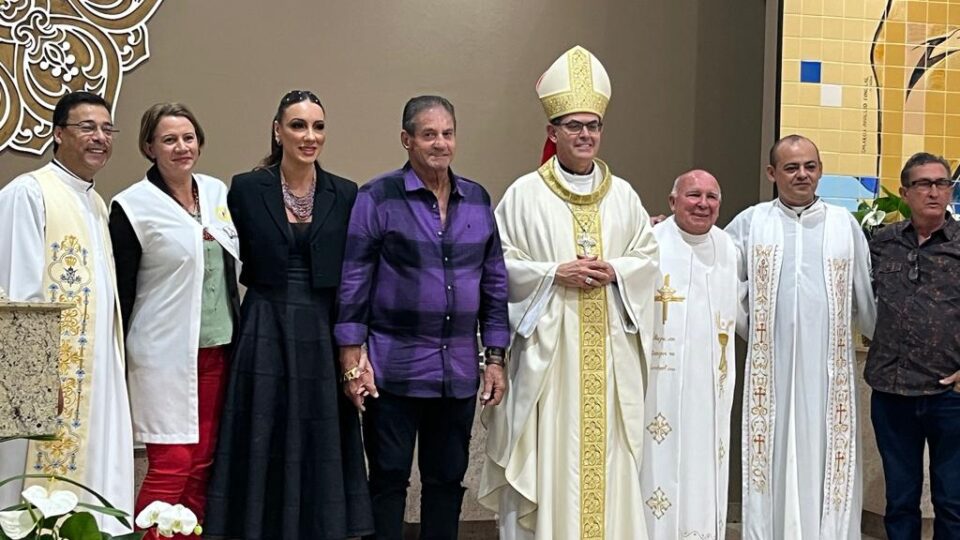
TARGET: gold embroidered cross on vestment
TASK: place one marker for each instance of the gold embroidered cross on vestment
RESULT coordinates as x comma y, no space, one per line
666,295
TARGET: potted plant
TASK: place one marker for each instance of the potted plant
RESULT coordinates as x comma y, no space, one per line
881,211
58,514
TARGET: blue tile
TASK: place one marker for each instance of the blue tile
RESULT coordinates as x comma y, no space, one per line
872,184
845,187
849,204
809,71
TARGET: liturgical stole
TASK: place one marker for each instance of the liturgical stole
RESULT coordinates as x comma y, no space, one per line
682,303
70,278
764,262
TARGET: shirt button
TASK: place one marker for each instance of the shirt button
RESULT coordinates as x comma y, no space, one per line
444,347
448,317
449,287
439,233
446,259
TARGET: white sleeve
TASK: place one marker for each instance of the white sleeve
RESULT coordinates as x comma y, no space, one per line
21,240
864,302
739,231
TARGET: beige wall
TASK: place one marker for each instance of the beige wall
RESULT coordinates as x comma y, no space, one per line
231,61
688,86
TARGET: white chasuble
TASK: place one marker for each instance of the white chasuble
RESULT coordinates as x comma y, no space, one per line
805,278
690,386
56,222
564,448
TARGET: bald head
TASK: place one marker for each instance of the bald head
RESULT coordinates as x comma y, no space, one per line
695,201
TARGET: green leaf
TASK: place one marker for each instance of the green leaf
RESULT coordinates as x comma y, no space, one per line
904,210
80,526
107,511
888,204
128,536
122,519
889,193
30,438
49,523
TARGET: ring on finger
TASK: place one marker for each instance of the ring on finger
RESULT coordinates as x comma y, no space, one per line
588,280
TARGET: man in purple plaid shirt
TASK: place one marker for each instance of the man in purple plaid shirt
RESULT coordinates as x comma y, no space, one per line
423,267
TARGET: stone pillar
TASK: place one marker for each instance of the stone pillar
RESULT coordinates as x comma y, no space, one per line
29,380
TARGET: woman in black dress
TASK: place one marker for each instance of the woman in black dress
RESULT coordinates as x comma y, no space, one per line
289,462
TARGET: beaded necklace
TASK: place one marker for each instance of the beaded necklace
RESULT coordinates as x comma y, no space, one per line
300,207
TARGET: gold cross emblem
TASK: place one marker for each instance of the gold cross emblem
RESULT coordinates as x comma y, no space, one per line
659,503
666,295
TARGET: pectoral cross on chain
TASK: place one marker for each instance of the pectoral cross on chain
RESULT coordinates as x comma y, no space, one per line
666,295
586,244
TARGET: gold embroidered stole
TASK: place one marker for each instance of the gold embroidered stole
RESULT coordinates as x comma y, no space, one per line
593,354
70,277
760,403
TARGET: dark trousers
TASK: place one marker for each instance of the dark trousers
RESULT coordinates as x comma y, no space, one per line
903,424
391,424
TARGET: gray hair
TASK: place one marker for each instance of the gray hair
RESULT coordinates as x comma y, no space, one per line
424,103
922,158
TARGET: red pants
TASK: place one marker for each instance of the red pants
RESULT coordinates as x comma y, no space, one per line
178,473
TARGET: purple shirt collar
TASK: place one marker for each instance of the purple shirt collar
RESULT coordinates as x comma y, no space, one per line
412,182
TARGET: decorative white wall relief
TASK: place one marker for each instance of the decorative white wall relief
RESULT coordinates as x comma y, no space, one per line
51,47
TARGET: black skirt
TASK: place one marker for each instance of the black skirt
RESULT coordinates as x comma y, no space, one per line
289,463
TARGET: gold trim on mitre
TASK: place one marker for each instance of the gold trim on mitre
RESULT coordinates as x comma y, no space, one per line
576,82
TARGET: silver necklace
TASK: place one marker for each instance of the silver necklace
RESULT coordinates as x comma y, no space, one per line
300,207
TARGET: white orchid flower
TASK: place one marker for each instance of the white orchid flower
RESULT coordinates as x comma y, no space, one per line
17,524
55,503
149,515
176,519
873,218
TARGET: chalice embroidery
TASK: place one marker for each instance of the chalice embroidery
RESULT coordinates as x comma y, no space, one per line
723,336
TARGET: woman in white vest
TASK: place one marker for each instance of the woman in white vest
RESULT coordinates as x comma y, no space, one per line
176,249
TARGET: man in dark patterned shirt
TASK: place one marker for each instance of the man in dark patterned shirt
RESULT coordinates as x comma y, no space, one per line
423,268
914,361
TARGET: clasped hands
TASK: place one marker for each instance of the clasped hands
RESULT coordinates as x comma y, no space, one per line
586,272
357,389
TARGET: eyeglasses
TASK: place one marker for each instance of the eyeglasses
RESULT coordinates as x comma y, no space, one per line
914,273
573,127
296,96
927,185
89,128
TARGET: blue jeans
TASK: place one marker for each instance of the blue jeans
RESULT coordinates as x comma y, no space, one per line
902,425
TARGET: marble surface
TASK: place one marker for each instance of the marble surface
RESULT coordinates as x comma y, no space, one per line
29,383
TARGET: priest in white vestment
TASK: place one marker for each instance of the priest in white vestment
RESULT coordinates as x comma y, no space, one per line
55,247
804,268
564,448
686,446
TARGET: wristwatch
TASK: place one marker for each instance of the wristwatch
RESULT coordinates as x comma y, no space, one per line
494,356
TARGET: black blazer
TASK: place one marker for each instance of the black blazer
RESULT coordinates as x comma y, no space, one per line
256,204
